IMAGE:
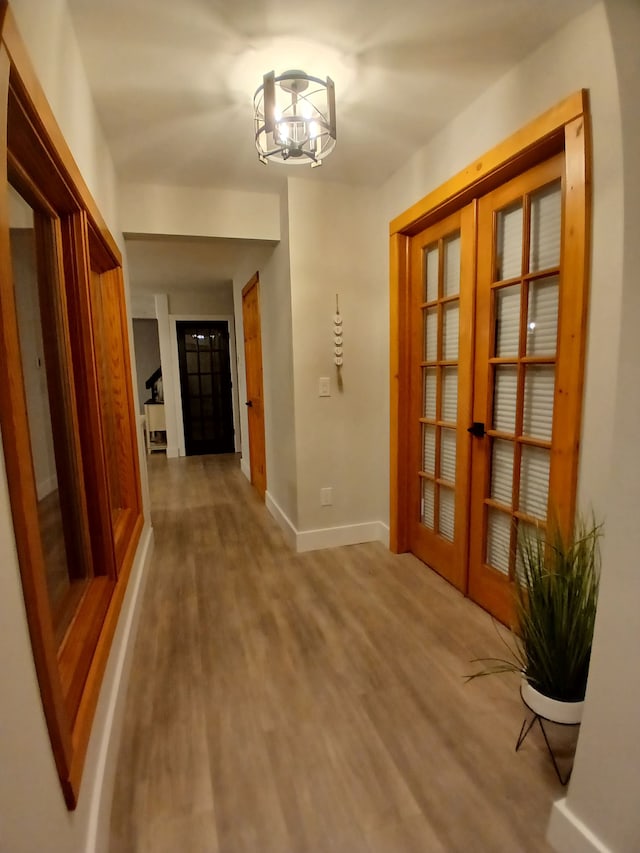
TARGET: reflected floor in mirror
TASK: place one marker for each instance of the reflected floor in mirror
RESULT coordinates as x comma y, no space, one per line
311,703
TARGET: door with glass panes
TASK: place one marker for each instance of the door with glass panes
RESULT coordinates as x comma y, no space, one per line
493,319
522,471
441,355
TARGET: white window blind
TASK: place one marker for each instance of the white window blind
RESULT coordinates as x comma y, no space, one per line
509,243
546,211
539,384
430,385
542,317
446,514
429,449
508,321
427,503
450,325
505,398
448,455
431,274
430,334
498,540
502,471
534,481
450,394
452,266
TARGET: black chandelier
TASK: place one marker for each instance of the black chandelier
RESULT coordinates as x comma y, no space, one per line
295,118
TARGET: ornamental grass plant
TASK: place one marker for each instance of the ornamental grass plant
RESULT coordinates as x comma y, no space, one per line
556,594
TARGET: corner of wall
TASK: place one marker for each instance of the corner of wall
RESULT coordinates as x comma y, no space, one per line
567,833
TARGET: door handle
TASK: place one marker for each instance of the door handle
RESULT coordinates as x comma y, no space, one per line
477,429
249,403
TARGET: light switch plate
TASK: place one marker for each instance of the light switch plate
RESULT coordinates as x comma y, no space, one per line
324,387
326,496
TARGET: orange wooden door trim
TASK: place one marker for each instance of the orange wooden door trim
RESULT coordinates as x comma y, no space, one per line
255,396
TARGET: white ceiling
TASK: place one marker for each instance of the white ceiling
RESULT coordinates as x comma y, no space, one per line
162,264
173,81
173,84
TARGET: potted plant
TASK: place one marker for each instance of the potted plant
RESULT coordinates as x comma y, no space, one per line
555,603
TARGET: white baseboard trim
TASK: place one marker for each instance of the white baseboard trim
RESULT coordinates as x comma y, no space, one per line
568,834
45,487
290,533
326,537
173,451
347,534
245,468
118,670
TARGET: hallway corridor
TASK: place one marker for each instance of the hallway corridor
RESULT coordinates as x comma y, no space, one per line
311,703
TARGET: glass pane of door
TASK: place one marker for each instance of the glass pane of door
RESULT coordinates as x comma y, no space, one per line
545,215
508,252
440,334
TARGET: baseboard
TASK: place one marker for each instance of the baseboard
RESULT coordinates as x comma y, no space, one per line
283,520
173,451
326,537
245,468
348,534
97,839
567,834
45,487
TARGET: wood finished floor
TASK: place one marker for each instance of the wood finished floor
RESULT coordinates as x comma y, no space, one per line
311,703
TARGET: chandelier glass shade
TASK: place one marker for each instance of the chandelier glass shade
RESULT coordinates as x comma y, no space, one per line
295,118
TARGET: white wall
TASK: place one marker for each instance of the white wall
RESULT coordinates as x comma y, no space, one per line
47,31
217,300
341,440
198,212
601,807
33,815
143,305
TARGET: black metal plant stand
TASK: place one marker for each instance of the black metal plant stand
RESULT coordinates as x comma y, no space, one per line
526,728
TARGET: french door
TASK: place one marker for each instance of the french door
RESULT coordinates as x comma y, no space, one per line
442,316
496,363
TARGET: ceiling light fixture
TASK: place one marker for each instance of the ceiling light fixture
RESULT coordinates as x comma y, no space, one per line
295,118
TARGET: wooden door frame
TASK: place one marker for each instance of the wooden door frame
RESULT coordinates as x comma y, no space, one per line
174,319
565,127
254,281
36,156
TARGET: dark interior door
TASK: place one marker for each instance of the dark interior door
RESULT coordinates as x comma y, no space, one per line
205,382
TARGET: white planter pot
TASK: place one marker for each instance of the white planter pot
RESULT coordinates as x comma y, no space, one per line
568,713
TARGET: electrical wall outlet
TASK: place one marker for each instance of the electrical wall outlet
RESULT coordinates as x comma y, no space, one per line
324,387
326,496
